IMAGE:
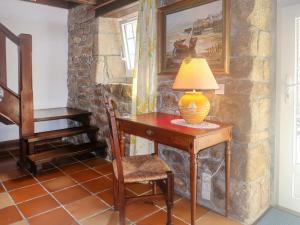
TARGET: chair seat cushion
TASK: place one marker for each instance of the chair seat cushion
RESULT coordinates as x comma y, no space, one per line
142,168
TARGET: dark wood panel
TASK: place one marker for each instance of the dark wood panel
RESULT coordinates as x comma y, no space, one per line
3,75
90,2
118,4
64,152
58,113
9,145
124,11
48,135
153,133
56,3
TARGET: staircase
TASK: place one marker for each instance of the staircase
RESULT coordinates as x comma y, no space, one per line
37,148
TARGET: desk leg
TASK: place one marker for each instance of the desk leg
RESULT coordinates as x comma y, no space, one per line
155,148
227,169
154,188
193,183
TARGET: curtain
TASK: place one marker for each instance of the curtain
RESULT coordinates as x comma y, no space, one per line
145,73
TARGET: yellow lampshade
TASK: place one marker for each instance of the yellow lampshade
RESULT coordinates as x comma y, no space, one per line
194,74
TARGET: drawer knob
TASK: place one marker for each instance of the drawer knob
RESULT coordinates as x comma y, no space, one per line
149,132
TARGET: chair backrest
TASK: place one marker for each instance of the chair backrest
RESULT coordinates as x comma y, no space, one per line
114,136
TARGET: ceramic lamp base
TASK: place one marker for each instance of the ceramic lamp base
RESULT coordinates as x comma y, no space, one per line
194,107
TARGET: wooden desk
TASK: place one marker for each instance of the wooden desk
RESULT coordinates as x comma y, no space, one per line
158,128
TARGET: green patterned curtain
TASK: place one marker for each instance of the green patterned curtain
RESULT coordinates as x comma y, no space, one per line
145,73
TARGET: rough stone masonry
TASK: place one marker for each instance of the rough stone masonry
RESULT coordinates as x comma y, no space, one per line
247,104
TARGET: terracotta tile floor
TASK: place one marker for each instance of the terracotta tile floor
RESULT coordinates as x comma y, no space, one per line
79,191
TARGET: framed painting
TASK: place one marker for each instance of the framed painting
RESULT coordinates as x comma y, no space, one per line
194,28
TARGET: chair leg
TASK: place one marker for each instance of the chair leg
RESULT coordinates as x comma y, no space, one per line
154,188
115,190
121,194
169,200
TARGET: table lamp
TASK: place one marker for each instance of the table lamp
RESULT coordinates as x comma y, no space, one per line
194,74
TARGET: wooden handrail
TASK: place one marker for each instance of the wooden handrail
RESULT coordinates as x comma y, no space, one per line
18,108
10,106
9,90
10,35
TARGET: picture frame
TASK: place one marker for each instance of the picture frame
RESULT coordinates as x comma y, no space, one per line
195,28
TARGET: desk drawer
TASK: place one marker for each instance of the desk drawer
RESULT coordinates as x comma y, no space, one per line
156,134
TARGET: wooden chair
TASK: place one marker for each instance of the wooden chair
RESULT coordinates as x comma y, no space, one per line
142,168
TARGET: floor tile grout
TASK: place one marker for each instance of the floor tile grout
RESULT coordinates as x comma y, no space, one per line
21,213
80,184
107,206
55,200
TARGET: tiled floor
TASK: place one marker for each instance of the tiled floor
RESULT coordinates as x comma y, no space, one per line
79,191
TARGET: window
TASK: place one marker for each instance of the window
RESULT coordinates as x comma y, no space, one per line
298,90
128,28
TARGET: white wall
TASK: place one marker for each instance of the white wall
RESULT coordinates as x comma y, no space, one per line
48,27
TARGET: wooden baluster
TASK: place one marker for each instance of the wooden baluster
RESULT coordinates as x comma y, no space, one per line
25,88
3,75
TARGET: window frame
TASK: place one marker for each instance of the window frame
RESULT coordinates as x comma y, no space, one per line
125,49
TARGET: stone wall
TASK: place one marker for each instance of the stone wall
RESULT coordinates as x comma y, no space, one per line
247,104
111,67
91,60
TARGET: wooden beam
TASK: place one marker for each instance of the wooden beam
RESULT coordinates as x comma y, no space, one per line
102,4
56,3
118,4
127,10
90,2
3,77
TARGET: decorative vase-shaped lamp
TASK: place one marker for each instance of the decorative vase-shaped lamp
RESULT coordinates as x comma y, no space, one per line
194,74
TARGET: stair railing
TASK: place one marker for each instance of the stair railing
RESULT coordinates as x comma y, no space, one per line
17,107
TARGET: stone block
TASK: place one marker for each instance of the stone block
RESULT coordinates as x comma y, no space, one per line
245,42
116,67
167,101
252,137
235,109
100,71
241,10
260,90
261,14
127,92
262,114
267,72
239,87
252,164
108,25
264,44
241,67
109,44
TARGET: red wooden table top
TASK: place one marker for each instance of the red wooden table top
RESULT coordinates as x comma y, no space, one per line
163,121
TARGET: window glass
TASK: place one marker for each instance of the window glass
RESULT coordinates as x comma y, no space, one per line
129,43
